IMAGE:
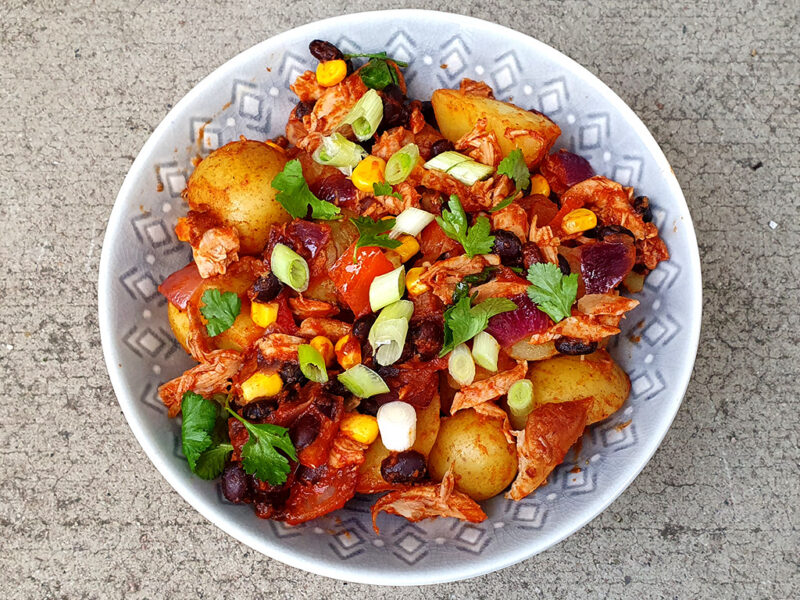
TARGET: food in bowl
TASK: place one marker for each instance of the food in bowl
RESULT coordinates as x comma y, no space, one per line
400,296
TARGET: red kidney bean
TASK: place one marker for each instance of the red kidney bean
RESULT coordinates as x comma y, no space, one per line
531,255
322,51
336,189
404,467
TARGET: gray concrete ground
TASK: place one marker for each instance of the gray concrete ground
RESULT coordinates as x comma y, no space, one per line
83,513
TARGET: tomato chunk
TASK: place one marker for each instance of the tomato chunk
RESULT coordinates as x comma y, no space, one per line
352,278
179,287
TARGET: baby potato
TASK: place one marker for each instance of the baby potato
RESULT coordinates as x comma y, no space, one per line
596,376
483,461
456,113
179,323
234,183
239,336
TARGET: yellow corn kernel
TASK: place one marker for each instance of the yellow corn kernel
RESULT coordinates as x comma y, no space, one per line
331,72
361,428
580,219
261,385
264,313
539,185
348,351
413,284
368,172
325,347
409,247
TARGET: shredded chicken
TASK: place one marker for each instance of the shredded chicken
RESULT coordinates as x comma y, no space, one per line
421,134
346,452
207,378
330,110
512,218
490,192
307,87
470,87
443,275
391,205
416,121
305,308
544,238
277,348
429,501
591,328
330,328
606,304
498,289
217,248
651,250
481,145
551,431
491,410
493,387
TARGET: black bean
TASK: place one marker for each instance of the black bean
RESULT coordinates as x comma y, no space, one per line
326,405
427,336
322,51
641,204
303,109
304,431
350,68
235,485
309,475
395,114
508,247
290,373
335,387
387,371
563,264
259,411
440,146
266,288
362,325
404,467
394,92
574,347
531,254
607,230
427,112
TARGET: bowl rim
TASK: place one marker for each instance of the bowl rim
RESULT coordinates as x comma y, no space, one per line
344,571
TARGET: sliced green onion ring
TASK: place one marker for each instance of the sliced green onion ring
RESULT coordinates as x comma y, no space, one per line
387,336
365,116
401,163
446,161
312,364
289,267
520,402
470,172
485,351
363,381
337,151
387,288
411,221
461,366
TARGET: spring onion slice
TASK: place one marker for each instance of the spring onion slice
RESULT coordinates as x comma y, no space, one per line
520,402
337,151
365,116
446,161
401,163
312,364
387,336
468,172
485,351
363,381
411,221
461,366
289,267
387,288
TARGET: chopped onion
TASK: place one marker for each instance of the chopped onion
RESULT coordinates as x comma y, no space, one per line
312,364
446,161
520,402
289,267
411,221
365,116
401,163
363,381
461,366
337,151
387,288
485,351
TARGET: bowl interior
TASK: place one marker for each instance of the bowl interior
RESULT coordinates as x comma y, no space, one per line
250,96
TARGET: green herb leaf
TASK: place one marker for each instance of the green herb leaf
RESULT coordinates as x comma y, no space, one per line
382,55
502,204
295,196
466,283
212,461
220,310
260,456
551,290
382,188
475,239
515,168
374,233
198,419
378,73
463,322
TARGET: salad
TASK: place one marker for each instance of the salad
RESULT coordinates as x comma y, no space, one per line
402,297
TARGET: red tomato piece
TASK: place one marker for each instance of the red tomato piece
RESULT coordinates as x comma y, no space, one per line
352,278
179,287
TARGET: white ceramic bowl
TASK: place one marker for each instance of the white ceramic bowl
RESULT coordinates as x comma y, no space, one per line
250,96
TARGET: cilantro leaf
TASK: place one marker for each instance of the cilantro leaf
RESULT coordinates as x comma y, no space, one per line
220,310
260,456
515,168
463,286
463,322
502,204
382,55
378,73
211,462
373,233
198,419
295,197
475,239
551,290
384,189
